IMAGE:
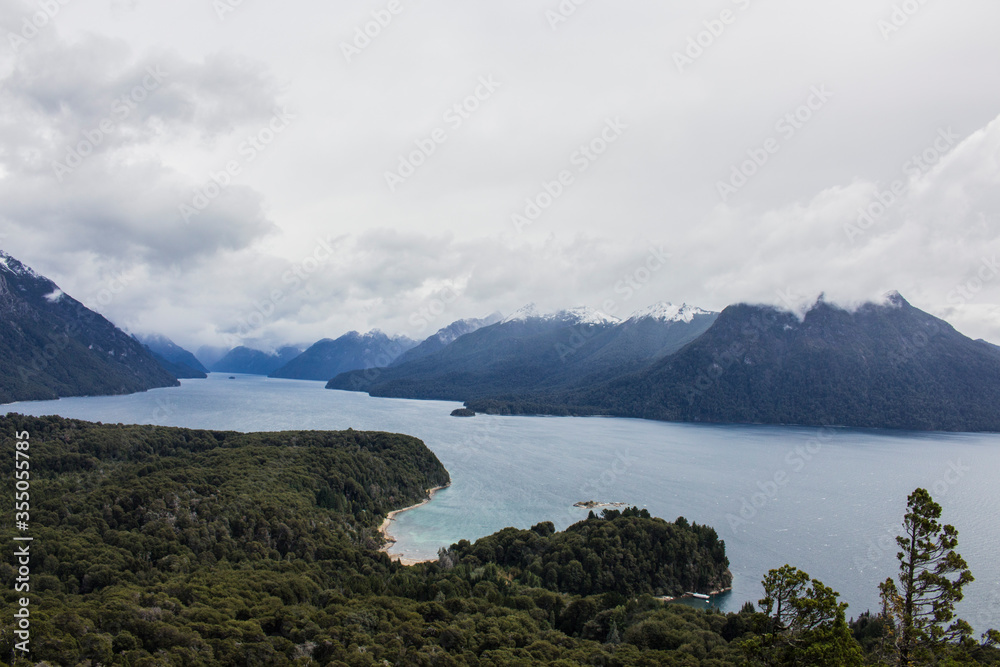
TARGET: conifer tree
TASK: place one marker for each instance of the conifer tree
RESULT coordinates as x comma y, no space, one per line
803,623
931,576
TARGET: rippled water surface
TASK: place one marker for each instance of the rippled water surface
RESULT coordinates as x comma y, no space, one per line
828,502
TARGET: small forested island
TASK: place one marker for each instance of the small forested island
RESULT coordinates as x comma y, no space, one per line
463,412
169,546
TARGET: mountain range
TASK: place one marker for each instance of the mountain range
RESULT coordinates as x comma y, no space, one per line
884,364
51,345
175,359
327,358
444,337
247,360
530,353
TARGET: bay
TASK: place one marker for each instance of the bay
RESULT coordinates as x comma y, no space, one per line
828,501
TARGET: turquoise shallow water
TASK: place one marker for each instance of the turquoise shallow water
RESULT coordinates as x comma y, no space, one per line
826,501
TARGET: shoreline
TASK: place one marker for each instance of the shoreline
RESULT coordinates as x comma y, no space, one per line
693,596
390,541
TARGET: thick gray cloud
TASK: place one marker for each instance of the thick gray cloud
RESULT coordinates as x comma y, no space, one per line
744,145
85,131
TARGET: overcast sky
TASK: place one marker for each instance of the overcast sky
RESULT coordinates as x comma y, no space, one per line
224,170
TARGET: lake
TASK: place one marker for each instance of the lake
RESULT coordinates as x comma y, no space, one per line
828,501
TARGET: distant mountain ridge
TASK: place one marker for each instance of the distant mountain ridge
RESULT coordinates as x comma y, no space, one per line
990,346
446,336
246,360
352,351
580,315
529,353
51,345
178,361
883,365
209,355
886,365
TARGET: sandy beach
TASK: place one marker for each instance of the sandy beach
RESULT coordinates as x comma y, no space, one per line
390,541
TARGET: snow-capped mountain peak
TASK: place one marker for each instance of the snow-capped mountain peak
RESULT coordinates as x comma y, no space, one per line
522,314
668,312
586,315
457,329
893,299
17,268
580,315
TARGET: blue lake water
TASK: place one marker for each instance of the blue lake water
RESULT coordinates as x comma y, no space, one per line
826,501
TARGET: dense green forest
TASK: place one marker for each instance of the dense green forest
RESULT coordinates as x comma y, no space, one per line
629,553
165,546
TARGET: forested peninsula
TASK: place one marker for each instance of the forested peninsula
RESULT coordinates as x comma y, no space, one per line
168,546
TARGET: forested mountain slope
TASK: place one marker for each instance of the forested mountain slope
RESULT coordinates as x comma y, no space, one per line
51,345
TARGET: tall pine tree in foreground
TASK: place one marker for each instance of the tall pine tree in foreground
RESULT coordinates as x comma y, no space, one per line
931,576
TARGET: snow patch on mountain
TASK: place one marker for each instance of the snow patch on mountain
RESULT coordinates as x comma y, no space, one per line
668,312
523,314
581,315
893,299
457,329
586,315
14,266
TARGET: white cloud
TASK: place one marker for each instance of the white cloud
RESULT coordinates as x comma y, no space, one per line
396,255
